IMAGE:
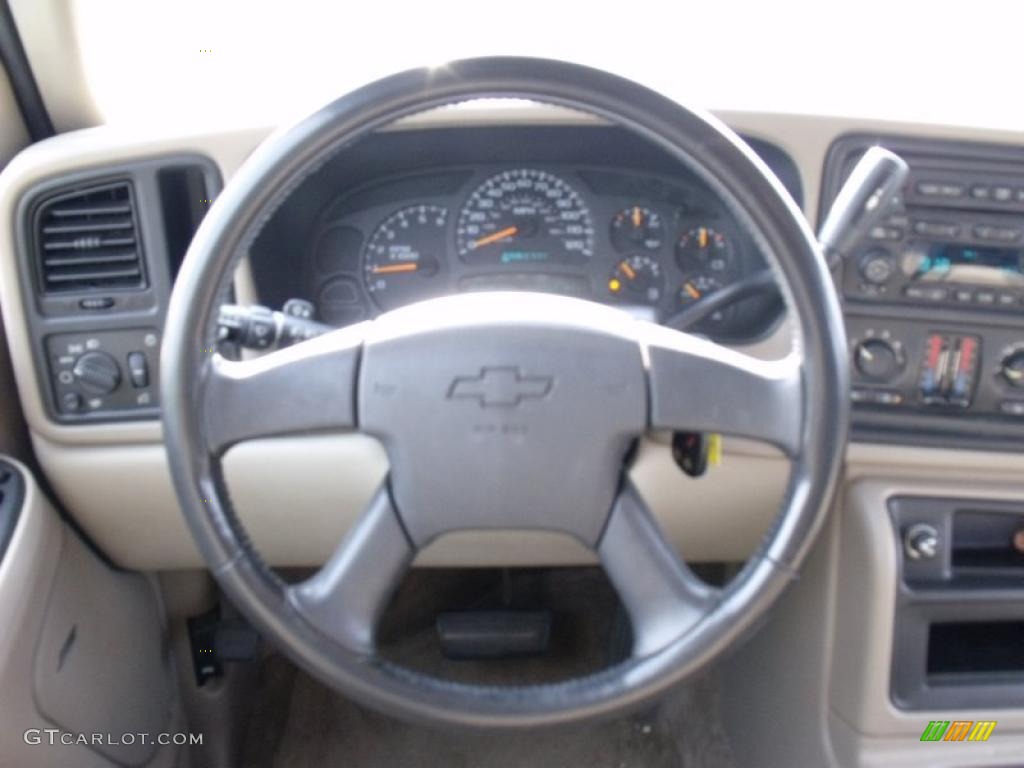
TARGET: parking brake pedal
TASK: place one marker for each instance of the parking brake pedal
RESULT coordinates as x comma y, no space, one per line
216,640
493,634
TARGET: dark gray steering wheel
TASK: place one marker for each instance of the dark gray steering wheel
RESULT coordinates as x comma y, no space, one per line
504,411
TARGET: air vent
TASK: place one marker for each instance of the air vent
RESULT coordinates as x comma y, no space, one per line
88,241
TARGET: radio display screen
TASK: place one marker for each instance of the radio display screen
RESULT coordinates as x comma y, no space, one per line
964,264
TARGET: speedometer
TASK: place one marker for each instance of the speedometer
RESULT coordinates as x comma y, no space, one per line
525,216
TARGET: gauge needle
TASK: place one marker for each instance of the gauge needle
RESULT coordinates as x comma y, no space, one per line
692,291
494,237
638,217
703,237
387,269
627,270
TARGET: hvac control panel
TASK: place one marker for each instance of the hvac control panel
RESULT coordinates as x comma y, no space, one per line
96,374
942,370
934,298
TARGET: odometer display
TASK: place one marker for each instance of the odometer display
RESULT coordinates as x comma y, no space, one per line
525,216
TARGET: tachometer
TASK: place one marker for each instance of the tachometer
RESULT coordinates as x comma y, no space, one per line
525,216
406,251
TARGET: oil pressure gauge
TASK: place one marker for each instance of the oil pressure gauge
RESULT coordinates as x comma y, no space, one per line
637,278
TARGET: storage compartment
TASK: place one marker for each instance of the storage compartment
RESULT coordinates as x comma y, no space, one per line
959,623
977,648
988,543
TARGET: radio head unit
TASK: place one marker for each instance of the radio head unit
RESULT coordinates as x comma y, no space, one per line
933,297
925,257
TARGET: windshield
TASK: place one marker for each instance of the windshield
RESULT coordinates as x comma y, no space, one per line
202,62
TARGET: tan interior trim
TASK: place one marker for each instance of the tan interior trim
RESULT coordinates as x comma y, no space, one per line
66,608
137,520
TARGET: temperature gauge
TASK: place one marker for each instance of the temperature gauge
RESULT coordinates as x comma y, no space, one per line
707,250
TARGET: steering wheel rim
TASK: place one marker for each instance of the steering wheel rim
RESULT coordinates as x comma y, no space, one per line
306,621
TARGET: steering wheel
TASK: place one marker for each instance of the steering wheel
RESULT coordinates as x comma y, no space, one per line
504,411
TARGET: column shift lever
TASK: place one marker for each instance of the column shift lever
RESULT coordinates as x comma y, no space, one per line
864,199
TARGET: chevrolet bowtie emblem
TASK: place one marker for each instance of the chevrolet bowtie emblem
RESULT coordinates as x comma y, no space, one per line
503,387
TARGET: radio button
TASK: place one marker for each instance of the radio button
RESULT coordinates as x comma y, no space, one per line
985,297
1007,299
925,293
997,234
1012,407
963,295
981,192
937,229
886,233
939,189
1002,194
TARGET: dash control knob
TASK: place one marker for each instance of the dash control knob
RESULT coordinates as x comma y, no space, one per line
877,359
1012,367
97,372
877,266
921,542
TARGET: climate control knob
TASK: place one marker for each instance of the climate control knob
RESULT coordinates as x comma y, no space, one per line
877,359
97,372
1012,367
877,266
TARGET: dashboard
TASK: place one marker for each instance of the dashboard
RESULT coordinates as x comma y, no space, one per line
600,223
932,301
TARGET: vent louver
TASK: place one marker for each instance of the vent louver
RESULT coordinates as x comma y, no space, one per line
87,240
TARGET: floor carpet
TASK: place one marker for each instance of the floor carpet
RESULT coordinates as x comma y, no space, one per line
300,723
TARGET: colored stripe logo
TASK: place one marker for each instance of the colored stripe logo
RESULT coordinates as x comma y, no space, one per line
958,730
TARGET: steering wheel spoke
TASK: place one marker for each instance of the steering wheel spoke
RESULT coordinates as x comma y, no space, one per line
346,597
308,386
699,386
663,597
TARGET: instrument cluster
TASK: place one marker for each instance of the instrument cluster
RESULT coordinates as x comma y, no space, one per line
650,244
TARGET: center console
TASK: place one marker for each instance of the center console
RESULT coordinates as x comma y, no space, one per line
934,297
959,630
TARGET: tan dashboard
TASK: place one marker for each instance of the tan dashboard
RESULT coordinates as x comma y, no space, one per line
298,495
